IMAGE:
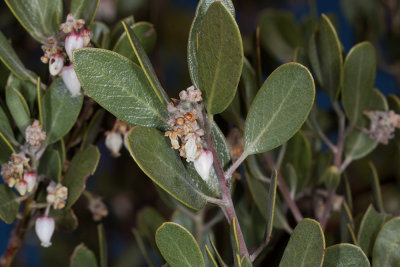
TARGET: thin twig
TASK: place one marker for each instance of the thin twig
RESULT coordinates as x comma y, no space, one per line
235,165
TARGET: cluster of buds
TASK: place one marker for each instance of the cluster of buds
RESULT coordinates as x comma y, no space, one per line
97,208
16,174
34,134
58,51
115,137
185,133
383,125
57,195
44,228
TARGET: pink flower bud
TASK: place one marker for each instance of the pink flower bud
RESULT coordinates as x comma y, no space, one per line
21,187
72,42
56,64
71,80
30,178
44,228
114,143
203,164
87,35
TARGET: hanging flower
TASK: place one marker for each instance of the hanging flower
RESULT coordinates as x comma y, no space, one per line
71,80
114,143
203,164
56,64
44,227
72,42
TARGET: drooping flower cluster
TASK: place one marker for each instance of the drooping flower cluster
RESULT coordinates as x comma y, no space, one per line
16,173
34,134
58,51
186,134
57,195
383,125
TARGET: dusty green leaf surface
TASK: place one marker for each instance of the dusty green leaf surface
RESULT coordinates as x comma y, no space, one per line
220,58
66,219
41,18
194,33
61,110
5,127
306,246
11,60
346,255
153,153
120,86
50,165
9,205
6,149
178,246
84,9
358,80
325,54
82,165
101,34
386,251
280,108
18,108
248,84
83,257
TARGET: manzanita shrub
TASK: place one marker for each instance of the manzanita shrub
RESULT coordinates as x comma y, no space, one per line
273,179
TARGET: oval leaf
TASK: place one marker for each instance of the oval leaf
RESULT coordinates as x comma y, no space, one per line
154,155
194,33
81,166
345,255
9,204
101,34
279,109
358,80
5,127
120,86
83,257
386,250
18,108
60,110
178,246
220,58
6,149
306,245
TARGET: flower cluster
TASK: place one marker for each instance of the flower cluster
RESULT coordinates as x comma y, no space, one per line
114,138
16,173
97,208
59,50
57,195
186,133
34,134
383,125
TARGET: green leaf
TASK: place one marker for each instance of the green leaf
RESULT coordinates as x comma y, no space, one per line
6,149
143,248
66,219
211,257
271,204
12,61
9,204
61,110
145,33
82,165
102,245
154,155
370,226
83,257
306,246
120,86
119,29
84,9
146,66
325,54
279,109
148,221
298,153
245,262
345,255
279,33
27,89
50,165
219,258
248,84
386,251
376,188
5,127
220,58
194,33
92,130
40,18
178,246
358,80
101,34
18,108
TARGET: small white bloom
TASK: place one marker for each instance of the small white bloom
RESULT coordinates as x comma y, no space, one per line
71,80
30,179
191,148
203,164
114,143
21,187
72,42
56,64
44,228
87,35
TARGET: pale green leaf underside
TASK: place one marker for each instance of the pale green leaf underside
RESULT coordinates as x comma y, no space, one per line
386,251
347,255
